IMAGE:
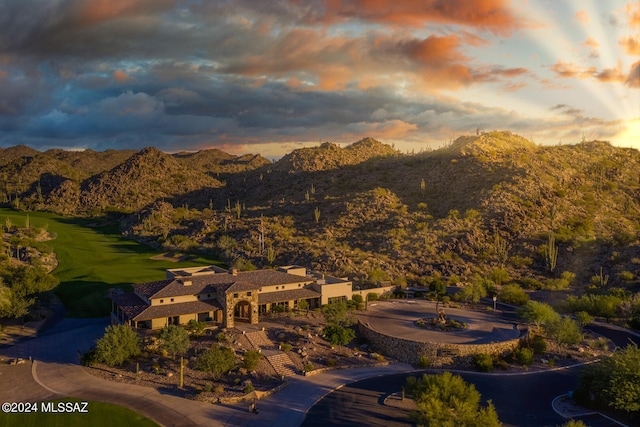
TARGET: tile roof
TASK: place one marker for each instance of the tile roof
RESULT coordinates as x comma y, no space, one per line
150,288
167,310
130,304
244,280
281,296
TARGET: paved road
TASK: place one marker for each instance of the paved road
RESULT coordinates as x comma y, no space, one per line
56,373
520,400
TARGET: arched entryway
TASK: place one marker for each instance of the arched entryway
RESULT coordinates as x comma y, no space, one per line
242,312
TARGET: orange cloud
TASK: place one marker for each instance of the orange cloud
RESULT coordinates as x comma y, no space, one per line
608,75
633,13
583,17
120,76
494,15
633,79
96,11
3,74
631,45
614,75
591,42
570,70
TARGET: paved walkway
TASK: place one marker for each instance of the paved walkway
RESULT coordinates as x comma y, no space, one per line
56,373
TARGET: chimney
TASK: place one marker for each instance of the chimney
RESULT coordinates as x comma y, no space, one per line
234,271
187,282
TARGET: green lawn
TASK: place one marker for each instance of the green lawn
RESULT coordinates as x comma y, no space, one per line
99,414
93,259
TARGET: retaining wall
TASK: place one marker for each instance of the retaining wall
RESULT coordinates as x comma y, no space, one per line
439,354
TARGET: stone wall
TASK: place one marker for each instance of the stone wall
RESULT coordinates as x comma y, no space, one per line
439,354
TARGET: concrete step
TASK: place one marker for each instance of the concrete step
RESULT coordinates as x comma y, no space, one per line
282,364
259,340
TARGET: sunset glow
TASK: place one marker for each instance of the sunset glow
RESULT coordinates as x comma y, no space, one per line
269,76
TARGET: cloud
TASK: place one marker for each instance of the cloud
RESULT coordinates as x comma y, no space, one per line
632,11
633,80
583,17
607,75
120,76
491,15
631,45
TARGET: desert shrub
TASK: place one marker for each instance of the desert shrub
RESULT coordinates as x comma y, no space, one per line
530,283
524,356
223,337
513,294
538,344
482,362
372,296
331,362
308,367
118,344
217,360
248,388
90,358
424,361
565,331
251,359
286,347
208,387
218,389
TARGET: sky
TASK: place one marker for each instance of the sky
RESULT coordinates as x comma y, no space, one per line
252,76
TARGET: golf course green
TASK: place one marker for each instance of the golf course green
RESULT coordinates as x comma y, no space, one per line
93,257
98,414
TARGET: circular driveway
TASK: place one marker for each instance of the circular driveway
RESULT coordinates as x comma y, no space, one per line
396,318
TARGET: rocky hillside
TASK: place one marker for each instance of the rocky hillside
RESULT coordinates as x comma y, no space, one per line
486,202
329,156
90,182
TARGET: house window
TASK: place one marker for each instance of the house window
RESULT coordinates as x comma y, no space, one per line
208,295
161,301
235,295
248,294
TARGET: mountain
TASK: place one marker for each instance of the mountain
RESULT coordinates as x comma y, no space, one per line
330,156
145,177
485,201
216,161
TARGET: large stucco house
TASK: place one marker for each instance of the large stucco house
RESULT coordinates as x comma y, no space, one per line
213,294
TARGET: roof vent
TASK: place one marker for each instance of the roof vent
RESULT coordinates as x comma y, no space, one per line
234,271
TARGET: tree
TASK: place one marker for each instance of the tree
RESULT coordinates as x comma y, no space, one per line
446,400
472,293
565,331
339,335
303,305
216,360
613,382
338,313
251,359
538,313
196,328
513,294
583,318
175,339
119,343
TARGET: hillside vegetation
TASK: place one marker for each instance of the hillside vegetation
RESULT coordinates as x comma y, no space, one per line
492,205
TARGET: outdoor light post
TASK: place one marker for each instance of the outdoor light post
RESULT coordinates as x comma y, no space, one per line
495,298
